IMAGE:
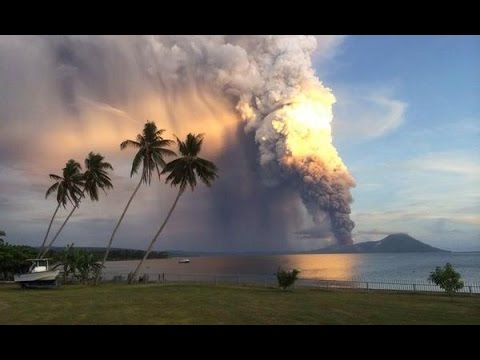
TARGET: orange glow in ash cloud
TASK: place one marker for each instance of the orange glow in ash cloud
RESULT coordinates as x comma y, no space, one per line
306,125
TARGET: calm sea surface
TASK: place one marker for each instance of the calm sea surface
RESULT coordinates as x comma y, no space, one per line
412,266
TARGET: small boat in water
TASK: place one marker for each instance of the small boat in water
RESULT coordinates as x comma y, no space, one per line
184,261
39,275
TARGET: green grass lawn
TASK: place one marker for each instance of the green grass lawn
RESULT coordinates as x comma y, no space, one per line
204,304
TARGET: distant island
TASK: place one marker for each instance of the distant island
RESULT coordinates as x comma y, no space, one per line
115,253
395,243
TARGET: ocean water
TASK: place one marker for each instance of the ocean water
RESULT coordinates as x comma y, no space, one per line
407,266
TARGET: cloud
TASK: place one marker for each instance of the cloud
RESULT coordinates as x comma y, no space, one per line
327,46
461,128
363,114
375,232
108,109
470,219
417,214
442,226
447,162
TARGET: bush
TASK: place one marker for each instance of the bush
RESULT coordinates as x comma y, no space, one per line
447,278
286,278
12,260
81,264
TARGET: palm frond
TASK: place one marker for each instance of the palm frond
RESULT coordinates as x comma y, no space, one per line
67,187
159,133
93,192
51,189
182,148
206,164
152,150
158,171
194,144
130,143
161,143
172,165
106,166
165,152
71,168
96,175
147,170
136,162
207,173
62,195
183,171
157,159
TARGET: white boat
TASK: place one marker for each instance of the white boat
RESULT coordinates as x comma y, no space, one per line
184,261
39,274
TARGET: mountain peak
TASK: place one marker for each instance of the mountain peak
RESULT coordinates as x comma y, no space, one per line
399,237
393,243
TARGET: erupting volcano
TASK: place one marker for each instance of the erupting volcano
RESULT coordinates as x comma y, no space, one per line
266,117
297,139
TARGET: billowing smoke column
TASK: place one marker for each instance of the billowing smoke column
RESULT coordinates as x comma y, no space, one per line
273,85
275,90
296,140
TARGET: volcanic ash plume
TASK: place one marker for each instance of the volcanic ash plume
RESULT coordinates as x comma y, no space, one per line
296,140
271,81
291,114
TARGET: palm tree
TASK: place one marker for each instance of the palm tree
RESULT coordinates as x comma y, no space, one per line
67,188
2,233
183,172
151,151
95,178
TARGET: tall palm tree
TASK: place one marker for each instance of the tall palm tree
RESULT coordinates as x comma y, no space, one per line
2,233
152,148
67,188
94,178
183,172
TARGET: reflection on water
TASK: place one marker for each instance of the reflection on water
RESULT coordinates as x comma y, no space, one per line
337,266
413,266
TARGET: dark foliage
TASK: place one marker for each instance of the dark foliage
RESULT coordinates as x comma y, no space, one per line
286,278
447,278
12,260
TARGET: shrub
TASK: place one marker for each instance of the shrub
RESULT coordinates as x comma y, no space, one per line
447,278
12,259
81,264
286,278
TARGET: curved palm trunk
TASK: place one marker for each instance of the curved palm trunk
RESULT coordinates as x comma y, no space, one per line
115,230
58,232
61,228
48,230
156,236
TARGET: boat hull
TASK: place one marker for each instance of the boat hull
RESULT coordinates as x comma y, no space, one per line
42,276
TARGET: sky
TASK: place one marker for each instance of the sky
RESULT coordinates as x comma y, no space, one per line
406,123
